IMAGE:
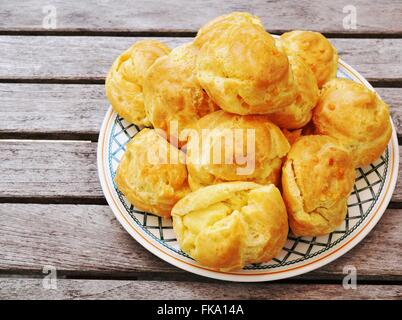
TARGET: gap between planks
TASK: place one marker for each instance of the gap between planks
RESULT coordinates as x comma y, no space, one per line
377,83
177,33
95,201
181,275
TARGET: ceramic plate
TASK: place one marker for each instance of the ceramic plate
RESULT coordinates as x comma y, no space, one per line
371,194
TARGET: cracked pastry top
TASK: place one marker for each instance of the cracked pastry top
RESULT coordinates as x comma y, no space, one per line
173,93
316,50
125,79
299,112
243,71
356,116
229,225
152,173
230,147
216,26
317,178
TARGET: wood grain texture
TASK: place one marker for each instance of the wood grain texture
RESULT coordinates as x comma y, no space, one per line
81,58
70,111
87,240
89,58
397,195
48,169
393,97
175,290
71,238
60,170
181,15
67,111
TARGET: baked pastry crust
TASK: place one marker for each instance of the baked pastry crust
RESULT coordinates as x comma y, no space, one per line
229,135
317,178
356,116
316,50
299,113
243,72
173,93
229,225
125,79
152,173
216,26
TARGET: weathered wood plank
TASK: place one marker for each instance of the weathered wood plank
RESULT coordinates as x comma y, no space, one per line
67,111
70,238
393,97
48,169
76,111
11,289
59,170
181,15
397,196
89,58
63,58
87,240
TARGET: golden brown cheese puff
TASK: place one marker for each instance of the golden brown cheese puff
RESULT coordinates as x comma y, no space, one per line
244,72
298,113
356,116
125,79
229,147
213,28
317,178
173,93
152,174
229,225
319,54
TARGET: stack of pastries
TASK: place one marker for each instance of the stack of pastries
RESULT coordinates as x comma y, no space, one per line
308,132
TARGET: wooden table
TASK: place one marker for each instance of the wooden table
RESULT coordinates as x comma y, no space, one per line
52,210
